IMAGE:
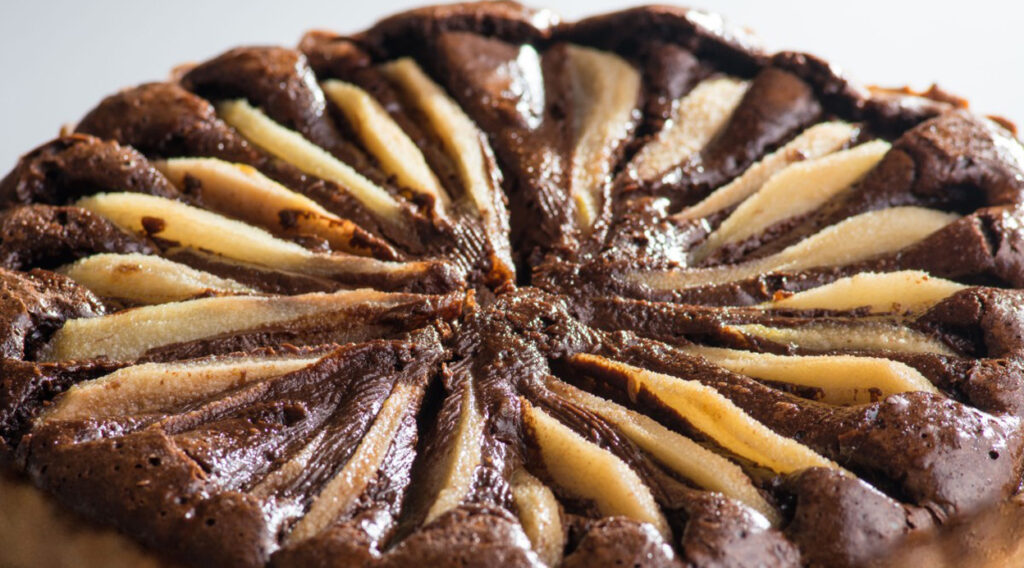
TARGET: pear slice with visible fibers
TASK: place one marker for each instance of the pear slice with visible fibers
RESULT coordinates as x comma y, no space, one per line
290,471
695,120
540,516
466,145
848,335
815,142
342,491
461,138
842,379
291,147
202,230
712,415
152,387
242,192
858,238
131,333
379,133
892,292
462,459
605,89
146,279
679,453
796,190
590,472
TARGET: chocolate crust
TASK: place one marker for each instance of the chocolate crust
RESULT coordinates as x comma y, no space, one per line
76,165
47,236
406,32
701,33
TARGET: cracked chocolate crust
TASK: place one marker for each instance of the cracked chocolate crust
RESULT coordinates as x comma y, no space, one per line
478,286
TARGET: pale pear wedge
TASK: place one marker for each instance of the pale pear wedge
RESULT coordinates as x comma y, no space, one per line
287,473
906,291
379,134
852,240
605,89
695,120
680,454
242,192
842,379
540,516
128,334
153,387
462,459
342,491
588,471
848,336
797,189
815,142
461,138
146,279
291,147
714,416
200,229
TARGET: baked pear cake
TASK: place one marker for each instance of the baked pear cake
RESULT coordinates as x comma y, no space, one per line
481,287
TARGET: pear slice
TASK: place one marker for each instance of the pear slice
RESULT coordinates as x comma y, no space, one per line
679,453
342,491
695,120
146,279
291,147
852,240
843,379
713,415
242,192
153,387
906,291
605,89
379,134
270,485
462,459
200,229
815,142
462,140
798,189
848,336
130,333
588,471
540,516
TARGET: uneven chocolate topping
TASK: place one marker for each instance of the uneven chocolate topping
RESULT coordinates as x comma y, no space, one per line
277,79
828,504
164,119
621,542
46,236
888,112
27,386
281,82
405,33
36,303
72,166
775,106
703,34
479,287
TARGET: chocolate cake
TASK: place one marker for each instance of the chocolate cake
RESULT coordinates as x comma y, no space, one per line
479,287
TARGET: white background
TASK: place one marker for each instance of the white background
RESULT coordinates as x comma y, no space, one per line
59,58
